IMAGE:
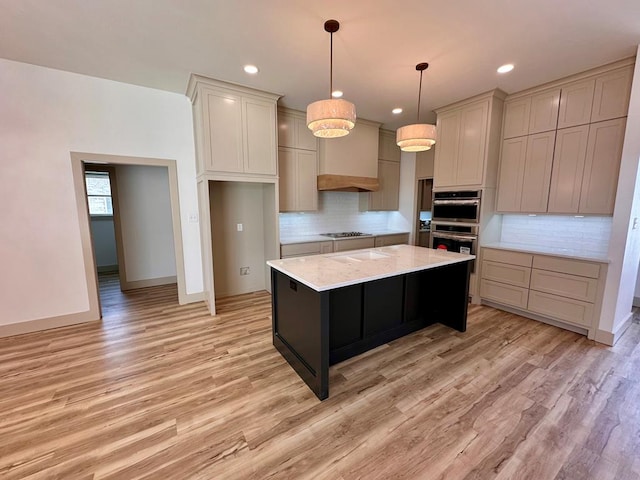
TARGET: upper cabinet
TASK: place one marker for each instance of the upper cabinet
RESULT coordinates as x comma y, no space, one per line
298,163
293,131
468,135
235,128
388,149
611,95
386,198
571,168
531,114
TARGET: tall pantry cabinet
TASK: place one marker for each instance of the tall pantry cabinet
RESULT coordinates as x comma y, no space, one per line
562,144
237,173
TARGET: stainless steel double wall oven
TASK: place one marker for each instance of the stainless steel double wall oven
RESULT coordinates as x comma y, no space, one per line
456,221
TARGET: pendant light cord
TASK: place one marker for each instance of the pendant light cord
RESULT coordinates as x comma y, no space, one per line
419,95
331,68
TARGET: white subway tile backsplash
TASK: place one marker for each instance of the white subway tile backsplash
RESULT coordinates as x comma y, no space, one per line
590,234
337,212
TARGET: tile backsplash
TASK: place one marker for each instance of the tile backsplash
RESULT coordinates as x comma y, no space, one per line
590,234
337,212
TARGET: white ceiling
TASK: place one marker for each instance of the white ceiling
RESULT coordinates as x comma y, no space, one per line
157,43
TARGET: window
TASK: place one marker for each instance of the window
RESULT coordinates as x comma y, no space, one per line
99,193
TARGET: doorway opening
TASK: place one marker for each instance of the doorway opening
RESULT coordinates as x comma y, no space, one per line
130,229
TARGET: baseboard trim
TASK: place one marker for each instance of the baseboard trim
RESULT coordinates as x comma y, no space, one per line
30,326
151,282
192,298
609,338
107,269
539,318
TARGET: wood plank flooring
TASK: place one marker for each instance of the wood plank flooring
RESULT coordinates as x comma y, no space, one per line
161,391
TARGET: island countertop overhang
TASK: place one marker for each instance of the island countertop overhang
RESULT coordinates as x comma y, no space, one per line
336,270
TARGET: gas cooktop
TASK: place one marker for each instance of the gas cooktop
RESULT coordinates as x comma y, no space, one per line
345,234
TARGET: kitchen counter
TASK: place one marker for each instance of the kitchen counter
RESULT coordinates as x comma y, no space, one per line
576,253
330,307
321,238
334,270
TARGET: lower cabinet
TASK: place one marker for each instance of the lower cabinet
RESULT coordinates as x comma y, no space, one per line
393,239
353,243
558,288
302,249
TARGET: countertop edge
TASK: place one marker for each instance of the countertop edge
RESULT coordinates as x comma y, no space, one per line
371,278
541,251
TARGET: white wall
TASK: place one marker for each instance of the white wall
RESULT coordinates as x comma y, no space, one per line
104,241
145,220
624,246
44,115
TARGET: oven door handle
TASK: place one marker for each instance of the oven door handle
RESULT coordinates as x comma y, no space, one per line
453,236
456,202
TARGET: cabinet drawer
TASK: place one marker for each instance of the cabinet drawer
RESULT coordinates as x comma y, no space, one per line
501,272
296,249
565,265
502,293
353,244
572,286
506,256
561,308
384,240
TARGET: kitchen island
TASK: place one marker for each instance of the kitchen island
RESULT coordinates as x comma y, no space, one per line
327,308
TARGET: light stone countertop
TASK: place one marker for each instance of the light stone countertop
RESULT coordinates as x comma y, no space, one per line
575,253
335,270
322,238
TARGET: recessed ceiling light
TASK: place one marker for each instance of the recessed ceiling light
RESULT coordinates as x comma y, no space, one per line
505,68
396,111
252,69
337,93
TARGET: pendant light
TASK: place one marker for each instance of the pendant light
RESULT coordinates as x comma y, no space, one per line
417,137
334,117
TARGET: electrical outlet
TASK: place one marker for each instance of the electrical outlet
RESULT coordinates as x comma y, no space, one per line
239,227
244,271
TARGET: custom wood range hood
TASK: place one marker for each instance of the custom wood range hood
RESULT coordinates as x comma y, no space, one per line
350,163
347,183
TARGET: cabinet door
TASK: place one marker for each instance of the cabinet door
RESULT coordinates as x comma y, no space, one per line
424,162
611,97
446,158
386,198
390,171
223,131
471,153
287,180
388,149
260,137
568,167
286,130
516,118
602,166
537,172
298,173
304,138
575,104
307,180
544,111
511,174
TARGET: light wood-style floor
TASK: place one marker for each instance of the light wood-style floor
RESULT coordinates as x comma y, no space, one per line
161,391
